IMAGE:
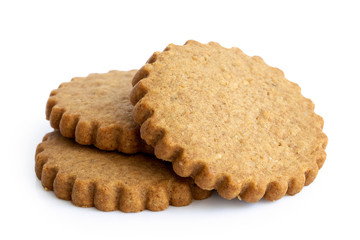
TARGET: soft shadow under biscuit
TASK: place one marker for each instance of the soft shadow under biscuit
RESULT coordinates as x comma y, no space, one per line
95,110
110,180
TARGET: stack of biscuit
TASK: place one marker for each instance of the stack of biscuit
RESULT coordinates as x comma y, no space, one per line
194,118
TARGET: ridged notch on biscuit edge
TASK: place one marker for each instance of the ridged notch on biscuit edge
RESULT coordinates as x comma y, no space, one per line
112,197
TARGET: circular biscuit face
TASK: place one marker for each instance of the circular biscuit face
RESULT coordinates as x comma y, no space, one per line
110,180
96,110
228,120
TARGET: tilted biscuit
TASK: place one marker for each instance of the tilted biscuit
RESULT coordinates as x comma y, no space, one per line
96,110
110,180
228,120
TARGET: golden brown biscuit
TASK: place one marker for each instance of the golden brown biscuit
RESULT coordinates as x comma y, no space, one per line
228,120
110,180
96,110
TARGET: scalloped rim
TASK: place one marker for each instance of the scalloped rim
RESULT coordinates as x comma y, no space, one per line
109,196
87,132
248,191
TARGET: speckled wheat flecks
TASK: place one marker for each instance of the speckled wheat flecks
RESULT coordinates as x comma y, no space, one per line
110,180
96,110
228,120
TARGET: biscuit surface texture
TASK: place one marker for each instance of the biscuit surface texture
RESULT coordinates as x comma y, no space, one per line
228,120
96,110
110,180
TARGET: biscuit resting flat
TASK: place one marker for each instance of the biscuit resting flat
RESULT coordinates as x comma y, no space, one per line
95,110
110,180
229,121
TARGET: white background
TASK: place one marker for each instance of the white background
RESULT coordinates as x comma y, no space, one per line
43,43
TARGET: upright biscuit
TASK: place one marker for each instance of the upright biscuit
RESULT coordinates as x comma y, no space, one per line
228,120
110,180
96,110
